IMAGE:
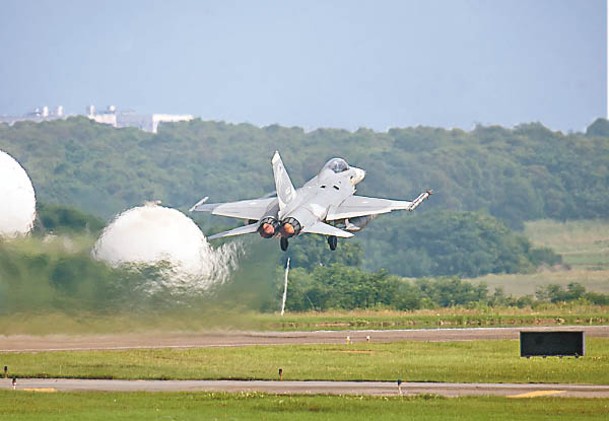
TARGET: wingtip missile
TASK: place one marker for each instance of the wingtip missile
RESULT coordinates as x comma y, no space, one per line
199,203
420,199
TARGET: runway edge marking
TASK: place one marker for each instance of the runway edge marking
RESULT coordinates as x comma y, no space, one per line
39,389
537,394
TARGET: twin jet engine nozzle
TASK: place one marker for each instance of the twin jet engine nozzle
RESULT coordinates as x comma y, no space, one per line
270,226
289,227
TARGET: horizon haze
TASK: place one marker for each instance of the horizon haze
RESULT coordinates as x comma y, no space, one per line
339,64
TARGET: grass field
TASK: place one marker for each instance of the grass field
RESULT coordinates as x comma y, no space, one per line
584,246
455,317
22,406
495,361
526,284
587,240
212,318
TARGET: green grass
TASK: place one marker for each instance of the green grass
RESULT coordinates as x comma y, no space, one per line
51,245
583,244
24,406
520,284
214,317
454,317
494,361
579,239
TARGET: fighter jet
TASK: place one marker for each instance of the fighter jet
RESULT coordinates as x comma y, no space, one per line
325,205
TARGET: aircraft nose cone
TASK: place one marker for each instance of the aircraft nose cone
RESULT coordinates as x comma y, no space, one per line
358,175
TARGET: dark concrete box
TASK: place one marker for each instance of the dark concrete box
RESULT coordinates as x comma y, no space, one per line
547,344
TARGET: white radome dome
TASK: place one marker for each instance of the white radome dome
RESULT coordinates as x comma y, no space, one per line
17,198
152,234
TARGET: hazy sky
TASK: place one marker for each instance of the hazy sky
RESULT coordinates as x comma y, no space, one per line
309,63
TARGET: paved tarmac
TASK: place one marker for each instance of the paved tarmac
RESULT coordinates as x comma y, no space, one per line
26,343
22,343
310,387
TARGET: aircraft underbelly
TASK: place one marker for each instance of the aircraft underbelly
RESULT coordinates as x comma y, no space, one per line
315,208
305,216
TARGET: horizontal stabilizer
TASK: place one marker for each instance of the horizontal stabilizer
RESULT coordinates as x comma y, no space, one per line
325,229
245,209
246,229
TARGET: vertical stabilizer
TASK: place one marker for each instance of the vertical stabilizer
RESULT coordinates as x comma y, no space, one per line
283,185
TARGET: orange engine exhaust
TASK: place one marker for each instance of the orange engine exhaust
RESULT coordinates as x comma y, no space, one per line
289,227
268,227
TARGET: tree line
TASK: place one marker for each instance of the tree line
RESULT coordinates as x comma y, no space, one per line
528,172
339,287
488,180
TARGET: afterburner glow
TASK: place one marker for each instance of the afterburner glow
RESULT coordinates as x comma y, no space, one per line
17,198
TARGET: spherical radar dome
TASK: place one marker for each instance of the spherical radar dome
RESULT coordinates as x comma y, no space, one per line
151,234
17,198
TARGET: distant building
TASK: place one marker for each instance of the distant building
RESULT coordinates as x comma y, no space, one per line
38,115
146,122
149,122
106,117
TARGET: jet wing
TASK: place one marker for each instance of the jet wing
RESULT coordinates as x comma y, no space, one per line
325,229
244,209
355,206
246,229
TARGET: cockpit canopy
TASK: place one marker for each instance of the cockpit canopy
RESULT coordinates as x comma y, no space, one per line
337,165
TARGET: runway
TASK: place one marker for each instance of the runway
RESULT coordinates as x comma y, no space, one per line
311,387
27,343
24,343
